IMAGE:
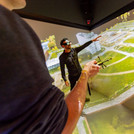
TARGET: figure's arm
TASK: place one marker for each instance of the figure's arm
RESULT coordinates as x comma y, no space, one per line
76,98
62,67
78,49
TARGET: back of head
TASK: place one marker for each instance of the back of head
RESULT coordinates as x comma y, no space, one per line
13,4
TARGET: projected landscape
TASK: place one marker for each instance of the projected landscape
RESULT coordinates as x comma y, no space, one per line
112,86
118,76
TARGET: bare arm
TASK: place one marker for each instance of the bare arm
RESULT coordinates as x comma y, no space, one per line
76,99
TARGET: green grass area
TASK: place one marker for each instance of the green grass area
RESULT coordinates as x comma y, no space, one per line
130,40
124,65
107,87
128,49
66,90
115,120
75,131
86,127
112,86
95,98
52,71
111,54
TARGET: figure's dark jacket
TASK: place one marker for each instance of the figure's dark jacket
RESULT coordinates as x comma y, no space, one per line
71,61
29,103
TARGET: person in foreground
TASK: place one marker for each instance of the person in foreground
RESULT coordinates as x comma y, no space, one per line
29,103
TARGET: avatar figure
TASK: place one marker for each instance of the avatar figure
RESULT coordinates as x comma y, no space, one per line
70,58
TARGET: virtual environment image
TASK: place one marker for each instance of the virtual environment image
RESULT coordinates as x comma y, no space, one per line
110,109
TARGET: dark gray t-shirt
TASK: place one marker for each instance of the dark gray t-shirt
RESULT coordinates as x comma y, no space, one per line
29,103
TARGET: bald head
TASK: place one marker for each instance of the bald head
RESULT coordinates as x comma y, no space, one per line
13,4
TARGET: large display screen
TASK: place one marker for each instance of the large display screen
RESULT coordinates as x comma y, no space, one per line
117,41
105,112
115,53
114,50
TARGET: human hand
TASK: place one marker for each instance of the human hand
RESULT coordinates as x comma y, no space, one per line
67,83
91,68
96,39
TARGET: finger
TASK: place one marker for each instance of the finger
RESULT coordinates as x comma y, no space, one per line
94,61
98,36
96,66
94,70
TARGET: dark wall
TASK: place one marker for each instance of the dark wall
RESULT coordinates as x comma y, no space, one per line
104,10
44,30
74,13
57,11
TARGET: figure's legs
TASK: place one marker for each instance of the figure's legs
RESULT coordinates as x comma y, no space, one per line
88,93
73,80
72,83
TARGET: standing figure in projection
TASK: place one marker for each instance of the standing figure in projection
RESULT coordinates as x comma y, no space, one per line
69,57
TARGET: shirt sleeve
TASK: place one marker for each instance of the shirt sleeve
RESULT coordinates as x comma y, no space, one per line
78,49
62,67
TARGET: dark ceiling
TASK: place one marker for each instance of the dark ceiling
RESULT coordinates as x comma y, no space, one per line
76,13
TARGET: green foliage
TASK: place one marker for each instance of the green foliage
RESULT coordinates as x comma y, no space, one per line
51,45
52,42
53,55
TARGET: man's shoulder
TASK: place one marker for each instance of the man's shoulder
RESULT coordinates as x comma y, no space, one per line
7,15
73,49
62,55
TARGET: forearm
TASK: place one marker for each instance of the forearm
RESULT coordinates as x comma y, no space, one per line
78,49
62,67
75,102
64,78
76,98
87,43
